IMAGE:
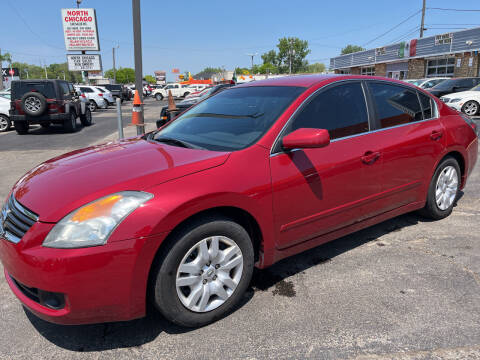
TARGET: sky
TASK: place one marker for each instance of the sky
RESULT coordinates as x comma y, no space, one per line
191,35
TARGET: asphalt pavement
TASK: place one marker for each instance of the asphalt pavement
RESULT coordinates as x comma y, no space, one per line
404,289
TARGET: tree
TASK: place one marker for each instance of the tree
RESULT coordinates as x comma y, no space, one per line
315,68
6,57
291,52
124,75
351,49
242,71
150,79
207,73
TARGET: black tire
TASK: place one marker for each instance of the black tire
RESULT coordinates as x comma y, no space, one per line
431,209
86,119
5,123
158,97
92,105
187,93
163,285
33,103
21,127
70,124
472,107
45,125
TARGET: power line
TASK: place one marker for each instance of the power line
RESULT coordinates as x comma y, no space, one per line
444,9
454,24
393,28
408,32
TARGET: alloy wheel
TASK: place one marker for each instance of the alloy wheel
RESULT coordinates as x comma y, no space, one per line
470,108
209,273
3,123
33,104
446,187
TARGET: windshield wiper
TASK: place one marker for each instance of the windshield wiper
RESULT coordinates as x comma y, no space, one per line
177,142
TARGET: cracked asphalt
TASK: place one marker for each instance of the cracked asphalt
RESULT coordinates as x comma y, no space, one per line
404,289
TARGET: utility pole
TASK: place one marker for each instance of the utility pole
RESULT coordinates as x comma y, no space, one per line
114,70
26,70
422,24
137,48
1,68
252,55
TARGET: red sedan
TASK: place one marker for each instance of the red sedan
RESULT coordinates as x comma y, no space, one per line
254,174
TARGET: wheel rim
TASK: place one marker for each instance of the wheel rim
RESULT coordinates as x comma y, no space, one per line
3,123
32,104
91,106
446,189
209,273
471,108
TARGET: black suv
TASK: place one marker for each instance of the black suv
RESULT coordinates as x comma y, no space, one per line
454,85
46,102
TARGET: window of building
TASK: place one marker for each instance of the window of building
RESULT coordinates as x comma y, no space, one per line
370,70
341,110
395,105
343,71
443,39
441,67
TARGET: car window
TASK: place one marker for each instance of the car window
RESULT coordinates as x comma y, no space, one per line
341,110
177,86
64,88
395,105
465,83
232,119
86,90
426,102
45,88
100,89
70,87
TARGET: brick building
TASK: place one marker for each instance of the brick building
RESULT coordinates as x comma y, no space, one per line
453,54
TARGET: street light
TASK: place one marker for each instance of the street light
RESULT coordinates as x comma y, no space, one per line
78,3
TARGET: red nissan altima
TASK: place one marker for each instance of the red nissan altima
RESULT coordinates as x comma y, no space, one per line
254,174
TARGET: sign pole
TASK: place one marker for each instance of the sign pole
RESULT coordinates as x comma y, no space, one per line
137,48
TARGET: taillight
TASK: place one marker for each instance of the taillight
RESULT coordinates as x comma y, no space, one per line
83,96
100,94
470,122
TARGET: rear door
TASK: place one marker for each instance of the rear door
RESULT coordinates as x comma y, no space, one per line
410,138
316,191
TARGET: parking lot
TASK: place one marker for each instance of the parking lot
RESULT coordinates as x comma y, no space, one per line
405,289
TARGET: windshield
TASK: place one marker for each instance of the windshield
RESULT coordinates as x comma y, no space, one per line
232,119
475,88
445,85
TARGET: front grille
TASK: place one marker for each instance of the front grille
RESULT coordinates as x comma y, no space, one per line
15,220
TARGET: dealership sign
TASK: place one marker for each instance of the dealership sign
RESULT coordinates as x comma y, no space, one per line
84,62
80,29
161,77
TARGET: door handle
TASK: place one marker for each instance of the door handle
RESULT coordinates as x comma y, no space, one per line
370,157
436,135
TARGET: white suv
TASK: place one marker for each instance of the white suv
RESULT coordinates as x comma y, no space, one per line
94,96
4,115
178,90
107,95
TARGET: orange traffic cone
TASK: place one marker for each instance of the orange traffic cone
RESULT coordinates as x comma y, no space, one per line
137,110
171,102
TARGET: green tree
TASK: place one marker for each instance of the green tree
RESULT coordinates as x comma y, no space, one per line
150,79
315,68
6,57
207,73
292,51
124,75
242,71
270,57
351,49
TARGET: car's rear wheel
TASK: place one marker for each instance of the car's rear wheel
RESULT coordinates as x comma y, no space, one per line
158,97
70,124
471,108
21,127
443,190
92,105
86,119
204,272
4,123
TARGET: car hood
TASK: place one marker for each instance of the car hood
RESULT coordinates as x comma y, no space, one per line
60,185
463,94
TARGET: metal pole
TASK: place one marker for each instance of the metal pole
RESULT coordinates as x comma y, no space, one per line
422,24
137,47
114,70
119,119
1,68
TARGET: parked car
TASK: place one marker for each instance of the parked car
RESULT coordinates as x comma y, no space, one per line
107,95
428,82
5,123
454,85
5,93
117,91
94,96
178,90
467,102
180,217
46,102
188,103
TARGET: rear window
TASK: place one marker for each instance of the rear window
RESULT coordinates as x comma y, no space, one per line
21,88
114,87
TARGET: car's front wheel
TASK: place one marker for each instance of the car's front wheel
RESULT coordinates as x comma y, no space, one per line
443,190
158,97
470,108
4,123
204,272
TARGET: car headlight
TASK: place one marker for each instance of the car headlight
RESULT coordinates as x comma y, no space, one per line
92,224
455,100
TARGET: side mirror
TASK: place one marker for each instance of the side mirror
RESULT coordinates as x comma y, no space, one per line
306,138
455,88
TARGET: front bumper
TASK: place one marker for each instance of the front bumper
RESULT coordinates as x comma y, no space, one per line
97,284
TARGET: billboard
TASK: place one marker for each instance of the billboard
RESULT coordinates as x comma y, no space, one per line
83,62
175,71
80,30
160,77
